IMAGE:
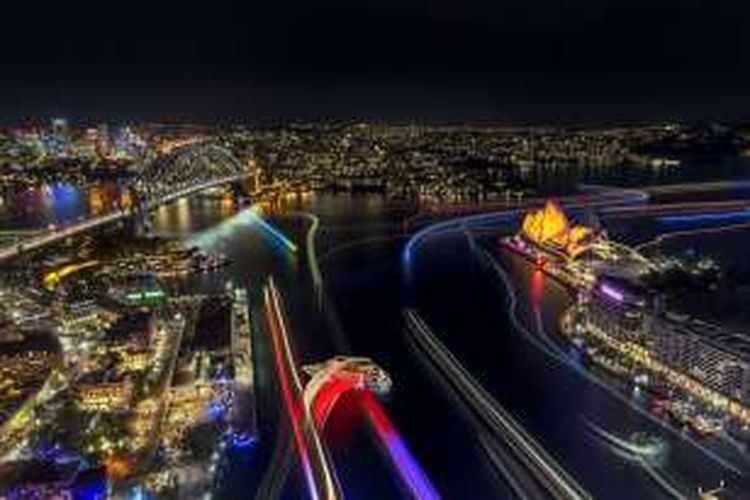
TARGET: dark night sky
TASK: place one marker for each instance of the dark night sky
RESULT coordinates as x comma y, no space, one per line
500,61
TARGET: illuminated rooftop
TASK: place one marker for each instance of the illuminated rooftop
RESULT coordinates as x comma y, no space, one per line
550,226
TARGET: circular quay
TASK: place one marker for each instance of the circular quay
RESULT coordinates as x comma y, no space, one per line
419,250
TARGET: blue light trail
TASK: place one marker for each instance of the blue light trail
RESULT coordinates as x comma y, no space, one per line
705,217
211,237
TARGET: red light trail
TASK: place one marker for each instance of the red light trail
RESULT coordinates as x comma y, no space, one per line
293,405
318,471
411,473
305,421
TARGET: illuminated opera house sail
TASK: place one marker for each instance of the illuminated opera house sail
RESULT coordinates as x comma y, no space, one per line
550,227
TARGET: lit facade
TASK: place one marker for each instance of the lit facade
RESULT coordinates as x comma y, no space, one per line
550,226
701,359
106,396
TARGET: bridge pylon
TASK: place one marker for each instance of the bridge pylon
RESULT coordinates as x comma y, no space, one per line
240,191
144,225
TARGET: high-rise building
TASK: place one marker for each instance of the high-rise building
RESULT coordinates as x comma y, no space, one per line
60,128
57,142
104,143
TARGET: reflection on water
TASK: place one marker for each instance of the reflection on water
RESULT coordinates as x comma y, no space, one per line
537,288
565,179
366,285
183,215
218,236
60,203
187,216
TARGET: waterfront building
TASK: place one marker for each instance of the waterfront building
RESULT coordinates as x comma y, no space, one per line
575,254
717,359
550,227
619,309
704,359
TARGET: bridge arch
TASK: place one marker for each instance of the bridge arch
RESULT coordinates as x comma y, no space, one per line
187,168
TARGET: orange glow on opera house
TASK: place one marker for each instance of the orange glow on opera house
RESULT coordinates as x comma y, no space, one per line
549,226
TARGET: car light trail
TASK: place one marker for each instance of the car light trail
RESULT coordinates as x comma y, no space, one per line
407,466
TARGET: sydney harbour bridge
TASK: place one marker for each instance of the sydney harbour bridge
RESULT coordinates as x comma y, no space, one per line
184,171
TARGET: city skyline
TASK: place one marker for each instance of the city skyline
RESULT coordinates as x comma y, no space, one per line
406,249
371,311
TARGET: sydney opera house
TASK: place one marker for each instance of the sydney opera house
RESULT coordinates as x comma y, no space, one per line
550,229
574,253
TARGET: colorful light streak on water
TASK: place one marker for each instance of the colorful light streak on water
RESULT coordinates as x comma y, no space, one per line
319,472
407,466
327,398
273,231
705,217
293,404
604,197
244,441
211,237
661,238
612,292
537,289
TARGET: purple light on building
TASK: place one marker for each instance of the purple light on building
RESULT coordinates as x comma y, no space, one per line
611,292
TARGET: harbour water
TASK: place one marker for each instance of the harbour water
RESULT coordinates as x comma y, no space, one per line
367,283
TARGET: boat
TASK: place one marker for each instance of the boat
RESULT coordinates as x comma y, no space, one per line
647,446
